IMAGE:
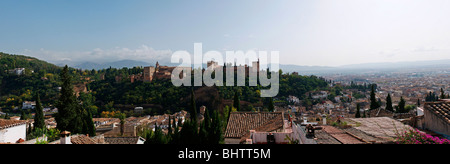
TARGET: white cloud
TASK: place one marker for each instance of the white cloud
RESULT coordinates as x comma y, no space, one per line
98,55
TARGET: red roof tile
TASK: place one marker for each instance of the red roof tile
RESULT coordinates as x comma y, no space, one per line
10,123
441,109
240,123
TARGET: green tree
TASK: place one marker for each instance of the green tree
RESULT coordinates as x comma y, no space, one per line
216,129
409,108
39,116
158,136
122,123
237,101
271,106
202,133
373,101
169,128
401,106
89,124
66,104
23,116
442,94
193,108
189,132
389,103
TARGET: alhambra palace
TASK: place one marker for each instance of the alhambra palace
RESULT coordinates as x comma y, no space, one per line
165,72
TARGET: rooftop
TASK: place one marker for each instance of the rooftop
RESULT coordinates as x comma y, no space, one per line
240,123
10,123
362,131
441,109
123,140
82,139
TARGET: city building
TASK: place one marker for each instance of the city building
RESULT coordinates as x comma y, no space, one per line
28,104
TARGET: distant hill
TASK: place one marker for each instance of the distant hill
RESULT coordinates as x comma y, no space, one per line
409,64
116,64
304,70
432,65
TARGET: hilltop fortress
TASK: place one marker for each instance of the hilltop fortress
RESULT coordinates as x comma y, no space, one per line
165,72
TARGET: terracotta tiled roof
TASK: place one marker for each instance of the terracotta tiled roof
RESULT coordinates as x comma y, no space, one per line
10,123
363,131
123,140
240,123
82,139
441,109
342,136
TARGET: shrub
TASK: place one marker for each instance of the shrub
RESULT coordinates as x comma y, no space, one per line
414,136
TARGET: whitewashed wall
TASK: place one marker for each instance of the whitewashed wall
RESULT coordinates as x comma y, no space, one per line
13,134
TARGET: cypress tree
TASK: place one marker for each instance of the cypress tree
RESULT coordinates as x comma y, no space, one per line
203,134
271,105
122,123
23,115
236,101
169,128
358,114
373,101
193,108
189,132
89,124
389,103
66,103
207,120
78,121
175,137
215,134
180,122
442,94
39,116
401,105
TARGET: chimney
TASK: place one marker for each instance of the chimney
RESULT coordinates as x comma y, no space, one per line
65,138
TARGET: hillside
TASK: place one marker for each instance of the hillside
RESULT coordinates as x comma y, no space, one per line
8,62
108,93
18,85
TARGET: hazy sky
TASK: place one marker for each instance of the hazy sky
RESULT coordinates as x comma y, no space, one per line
306,32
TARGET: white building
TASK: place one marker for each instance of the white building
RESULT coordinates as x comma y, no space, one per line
139,110
17,71
12,130
319,95
28,104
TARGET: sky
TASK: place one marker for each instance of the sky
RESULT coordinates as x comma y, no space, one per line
305,32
